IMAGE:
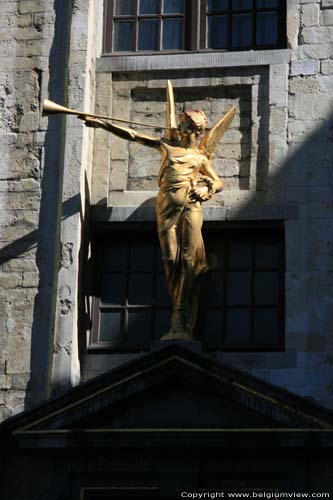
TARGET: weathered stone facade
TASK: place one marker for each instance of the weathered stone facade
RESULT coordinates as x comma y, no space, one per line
276,162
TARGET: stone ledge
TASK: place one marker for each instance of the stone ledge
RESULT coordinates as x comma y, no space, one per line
189,61
139,206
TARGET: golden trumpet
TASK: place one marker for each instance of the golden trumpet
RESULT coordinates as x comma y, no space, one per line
53,108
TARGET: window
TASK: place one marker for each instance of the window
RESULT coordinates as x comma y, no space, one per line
172,25
242,296
132,305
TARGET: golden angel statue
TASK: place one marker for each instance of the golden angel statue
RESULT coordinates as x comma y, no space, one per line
186,179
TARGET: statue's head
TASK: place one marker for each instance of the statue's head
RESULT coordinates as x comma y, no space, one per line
193,121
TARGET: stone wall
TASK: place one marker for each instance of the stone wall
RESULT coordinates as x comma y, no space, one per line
26,40
284,99
43,53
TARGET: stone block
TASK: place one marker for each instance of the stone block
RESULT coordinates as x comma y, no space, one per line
306,85
20,380
293,245
306,67
323,34
19,359
29,6
142,184
293,22
227,168
5,381
310,15
327,4
326,18
118,175
30,279
144,168
314,51
278,121
317,244
278,85
21,200
232,151
326,67
301,130
14,401
15,265
10,280
303,108
119,149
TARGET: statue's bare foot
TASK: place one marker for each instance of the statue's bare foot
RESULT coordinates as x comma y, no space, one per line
178,335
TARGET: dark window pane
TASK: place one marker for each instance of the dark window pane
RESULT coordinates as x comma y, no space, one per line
217,5
162,294
238,326
213,328
172,34
267,28
215,253
238,289
159,263
139,328
173,6
113,288
267,256
240,256
242,30
162,322
141,257
217,32
266,327
267,4
148,7
148,38
242,4
123,36
110,329
140,289
124,7
115,257
211,288
266,288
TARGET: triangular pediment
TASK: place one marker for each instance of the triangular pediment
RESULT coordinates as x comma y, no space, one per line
171,388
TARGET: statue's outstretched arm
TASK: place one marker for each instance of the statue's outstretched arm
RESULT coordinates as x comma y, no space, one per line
124,132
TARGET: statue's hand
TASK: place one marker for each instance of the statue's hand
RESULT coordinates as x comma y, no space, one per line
200,193
202,189
91,122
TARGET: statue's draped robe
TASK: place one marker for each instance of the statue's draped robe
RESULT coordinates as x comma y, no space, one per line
179,222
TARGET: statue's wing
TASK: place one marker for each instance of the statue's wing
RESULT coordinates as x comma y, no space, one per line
209,142
171,133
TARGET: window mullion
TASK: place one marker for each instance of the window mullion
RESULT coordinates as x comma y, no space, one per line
136,26
254,25
229,28
160,27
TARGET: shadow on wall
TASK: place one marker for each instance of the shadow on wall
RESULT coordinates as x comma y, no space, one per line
48,242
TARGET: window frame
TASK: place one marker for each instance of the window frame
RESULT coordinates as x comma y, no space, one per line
281,29
188,29
195,30
120,230
276,233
